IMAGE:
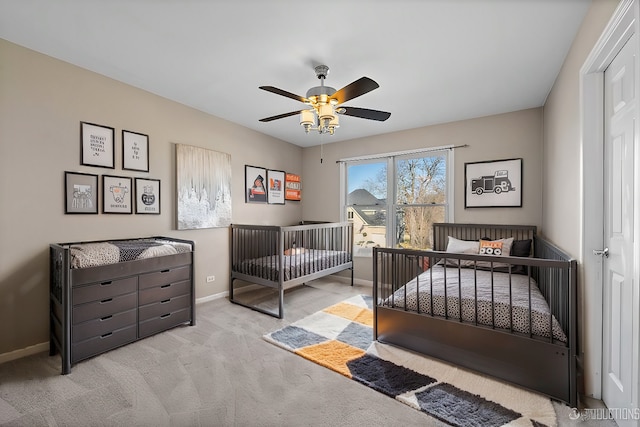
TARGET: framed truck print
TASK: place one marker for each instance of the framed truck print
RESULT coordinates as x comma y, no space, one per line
494,183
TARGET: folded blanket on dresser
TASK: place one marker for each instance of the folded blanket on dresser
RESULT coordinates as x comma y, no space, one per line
100,253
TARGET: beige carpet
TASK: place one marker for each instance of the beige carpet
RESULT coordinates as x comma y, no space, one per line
220,372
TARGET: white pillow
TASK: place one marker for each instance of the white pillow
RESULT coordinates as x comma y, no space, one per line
462,247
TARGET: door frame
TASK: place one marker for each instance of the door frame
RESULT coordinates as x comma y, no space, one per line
621,27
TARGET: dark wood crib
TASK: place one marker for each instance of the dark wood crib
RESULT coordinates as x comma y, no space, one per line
512,317
281,257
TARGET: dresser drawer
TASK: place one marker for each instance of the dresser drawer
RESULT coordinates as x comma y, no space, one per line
166,306
103,325
164,277
105,307
164,322
102,343
104,290
161,293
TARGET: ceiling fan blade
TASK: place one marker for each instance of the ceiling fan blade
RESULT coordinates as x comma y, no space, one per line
364,113
353,90
280,116
284,93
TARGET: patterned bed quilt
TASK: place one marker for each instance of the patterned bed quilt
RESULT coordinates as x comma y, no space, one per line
298,264
518,320
101,253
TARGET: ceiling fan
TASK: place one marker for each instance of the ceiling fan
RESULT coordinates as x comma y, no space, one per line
325,103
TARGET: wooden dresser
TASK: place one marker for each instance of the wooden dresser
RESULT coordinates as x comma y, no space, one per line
96,309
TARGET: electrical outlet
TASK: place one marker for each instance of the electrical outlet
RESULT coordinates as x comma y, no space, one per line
211,279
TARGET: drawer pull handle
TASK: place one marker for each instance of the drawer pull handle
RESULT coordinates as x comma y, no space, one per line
104,301
106,283
164,316
102,319
165,271
165,286
165,301
106,335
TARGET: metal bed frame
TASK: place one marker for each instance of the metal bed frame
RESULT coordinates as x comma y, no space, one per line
545,365
269,243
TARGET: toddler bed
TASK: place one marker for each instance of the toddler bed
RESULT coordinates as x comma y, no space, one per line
497,299
283,257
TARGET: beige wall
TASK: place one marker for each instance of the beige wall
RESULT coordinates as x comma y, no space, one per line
562,195
504,136
42,101
562,147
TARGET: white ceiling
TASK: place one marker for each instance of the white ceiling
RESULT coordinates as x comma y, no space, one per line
436,61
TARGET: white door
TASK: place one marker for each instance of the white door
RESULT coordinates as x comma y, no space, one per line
621,112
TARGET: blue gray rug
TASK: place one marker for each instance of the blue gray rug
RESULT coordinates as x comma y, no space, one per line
340,338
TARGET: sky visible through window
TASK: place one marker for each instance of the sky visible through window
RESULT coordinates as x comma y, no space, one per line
358,174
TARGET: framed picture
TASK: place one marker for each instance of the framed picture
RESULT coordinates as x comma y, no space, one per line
80,193
203,184
495,183
292,187
116,194
275,187
96,145
135,151
255,190
147,196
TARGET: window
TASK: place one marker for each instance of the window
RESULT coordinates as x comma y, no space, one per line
393,201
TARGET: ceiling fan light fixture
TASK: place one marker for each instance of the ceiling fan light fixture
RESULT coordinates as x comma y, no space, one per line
325,103
307,119
325,112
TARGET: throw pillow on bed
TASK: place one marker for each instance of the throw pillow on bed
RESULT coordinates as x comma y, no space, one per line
500,247
458,246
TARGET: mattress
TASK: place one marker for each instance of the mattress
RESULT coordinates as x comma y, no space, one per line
297,265
431,285
83,255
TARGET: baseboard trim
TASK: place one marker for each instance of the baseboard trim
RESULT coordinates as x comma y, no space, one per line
212,297
24,352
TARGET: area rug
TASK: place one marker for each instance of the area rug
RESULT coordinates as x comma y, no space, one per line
340,338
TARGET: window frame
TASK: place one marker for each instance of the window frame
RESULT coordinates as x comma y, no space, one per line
392,205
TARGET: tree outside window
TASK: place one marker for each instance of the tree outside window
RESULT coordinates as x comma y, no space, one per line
418,199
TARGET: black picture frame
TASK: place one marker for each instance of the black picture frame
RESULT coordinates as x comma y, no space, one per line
275,187
493,184
147,196
80,193
255,192
135,151
116,194
97,145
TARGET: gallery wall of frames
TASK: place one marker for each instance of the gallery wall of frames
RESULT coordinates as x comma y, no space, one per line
271,186
120,194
